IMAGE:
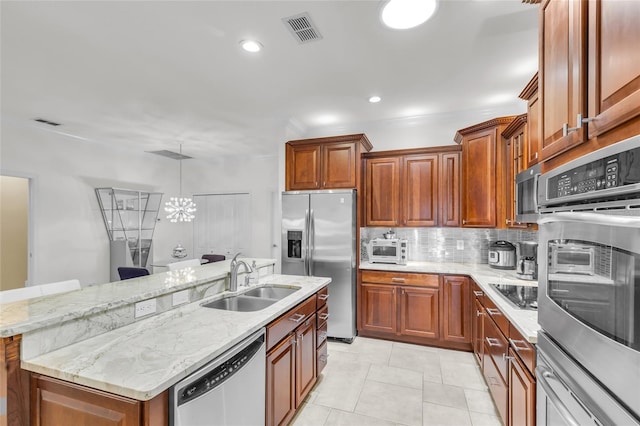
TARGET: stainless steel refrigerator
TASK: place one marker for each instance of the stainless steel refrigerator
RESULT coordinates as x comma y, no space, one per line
319,239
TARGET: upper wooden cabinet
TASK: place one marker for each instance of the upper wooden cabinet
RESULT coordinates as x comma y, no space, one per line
532,143
325,163
417,187
515,138
484,167
589,76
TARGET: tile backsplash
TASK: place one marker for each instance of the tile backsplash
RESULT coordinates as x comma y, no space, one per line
441,244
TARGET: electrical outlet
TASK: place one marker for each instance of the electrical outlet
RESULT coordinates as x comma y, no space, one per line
145,307
180,297
460,244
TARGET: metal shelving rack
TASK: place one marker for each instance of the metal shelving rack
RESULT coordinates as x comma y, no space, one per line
130,218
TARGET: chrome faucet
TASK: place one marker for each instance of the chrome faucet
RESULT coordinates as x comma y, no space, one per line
235,265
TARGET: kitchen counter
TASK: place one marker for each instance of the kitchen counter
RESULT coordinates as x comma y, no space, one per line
525,321
143,359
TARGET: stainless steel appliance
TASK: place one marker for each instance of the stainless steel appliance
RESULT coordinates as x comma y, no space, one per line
527,195
230,390
527,260
319,239
593,320
502,255
382,250
571,258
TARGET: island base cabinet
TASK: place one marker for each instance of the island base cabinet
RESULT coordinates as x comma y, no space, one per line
281,390
522,393
56,402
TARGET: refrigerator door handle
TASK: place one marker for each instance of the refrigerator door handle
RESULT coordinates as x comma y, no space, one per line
312,242
305,244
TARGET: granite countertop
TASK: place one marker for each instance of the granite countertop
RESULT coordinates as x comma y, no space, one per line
525,321
143,359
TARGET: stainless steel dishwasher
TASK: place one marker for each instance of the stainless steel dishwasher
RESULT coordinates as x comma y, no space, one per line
230,390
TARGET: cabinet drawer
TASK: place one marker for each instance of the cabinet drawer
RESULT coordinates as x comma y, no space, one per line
322,357
422,280
497,385
496,346
321,297
496,314
523,348
323,315
321,336
287,322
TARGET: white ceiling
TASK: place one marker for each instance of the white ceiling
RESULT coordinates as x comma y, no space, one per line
150,74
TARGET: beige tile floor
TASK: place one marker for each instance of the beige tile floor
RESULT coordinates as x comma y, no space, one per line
376,382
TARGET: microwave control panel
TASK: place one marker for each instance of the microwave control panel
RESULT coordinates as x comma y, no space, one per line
615,171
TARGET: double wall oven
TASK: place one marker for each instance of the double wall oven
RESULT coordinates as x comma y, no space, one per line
589,289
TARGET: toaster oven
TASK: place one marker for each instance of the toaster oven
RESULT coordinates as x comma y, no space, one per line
382,250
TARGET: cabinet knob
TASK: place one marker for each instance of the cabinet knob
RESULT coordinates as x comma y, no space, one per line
507,358
464,222
536,156
507,221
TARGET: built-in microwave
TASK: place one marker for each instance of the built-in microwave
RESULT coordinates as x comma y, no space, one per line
527,195
382,250
571,258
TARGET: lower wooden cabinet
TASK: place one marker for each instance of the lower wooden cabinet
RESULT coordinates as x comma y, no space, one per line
56,402
416,308
507,361
295,357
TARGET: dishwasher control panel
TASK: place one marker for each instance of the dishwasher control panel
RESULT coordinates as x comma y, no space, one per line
219,374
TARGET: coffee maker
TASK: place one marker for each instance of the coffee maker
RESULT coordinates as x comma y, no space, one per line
527,260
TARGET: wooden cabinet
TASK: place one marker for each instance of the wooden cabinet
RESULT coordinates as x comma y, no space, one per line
532,142
412,187
507,360
382,193
322,309
483,186
589,79
456,309
515,139
415,308
325,163
292,357
56,402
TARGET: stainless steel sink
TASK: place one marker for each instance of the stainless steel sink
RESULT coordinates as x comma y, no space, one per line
271,292
241,303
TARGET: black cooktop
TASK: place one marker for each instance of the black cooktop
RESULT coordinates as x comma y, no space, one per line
522,296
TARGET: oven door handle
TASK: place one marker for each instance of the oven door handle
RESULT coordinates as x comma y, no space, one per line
543,379
592,219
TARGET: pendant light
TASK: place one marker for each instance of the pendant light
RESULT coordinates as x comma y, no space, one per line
180,209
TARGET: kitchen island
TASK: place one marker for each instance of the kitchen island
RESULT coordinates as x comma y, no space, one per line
91,337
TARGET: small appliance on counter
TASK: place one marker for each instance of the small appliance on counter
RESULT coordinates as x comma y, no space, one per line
527,260
384,250
502,255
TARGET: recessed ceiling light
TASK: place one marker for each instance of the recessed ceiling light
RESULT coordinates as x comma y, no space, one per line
375,99
251,46
404,14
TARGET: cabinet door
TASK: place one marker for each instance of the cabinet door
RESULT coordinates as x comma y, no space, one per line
303,167
614,64
450,189
281,382
562,83
478,330
305,359
378,311
456,311
497,385
515,157
339,165
419,313
54,402
522,394
382,191
533,131
420,190
479,179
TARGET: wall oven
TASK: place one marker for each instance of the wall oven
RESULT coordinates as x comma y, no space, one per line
589,303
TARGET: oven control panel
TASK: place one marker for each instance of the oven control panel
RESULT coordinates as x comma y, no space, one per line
603,174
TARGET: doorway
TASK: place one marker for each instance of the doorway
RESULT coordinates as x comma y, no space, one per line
14,232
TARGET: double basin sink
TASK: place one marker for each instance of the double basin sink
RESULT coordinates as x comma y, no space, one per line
253,300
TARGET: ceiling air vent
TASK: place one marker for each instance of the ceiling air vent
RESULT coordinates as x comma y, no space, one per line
43,121
302,28
170,154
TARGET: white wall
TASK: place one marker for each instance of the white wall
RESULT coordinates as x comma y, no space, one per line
70,240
